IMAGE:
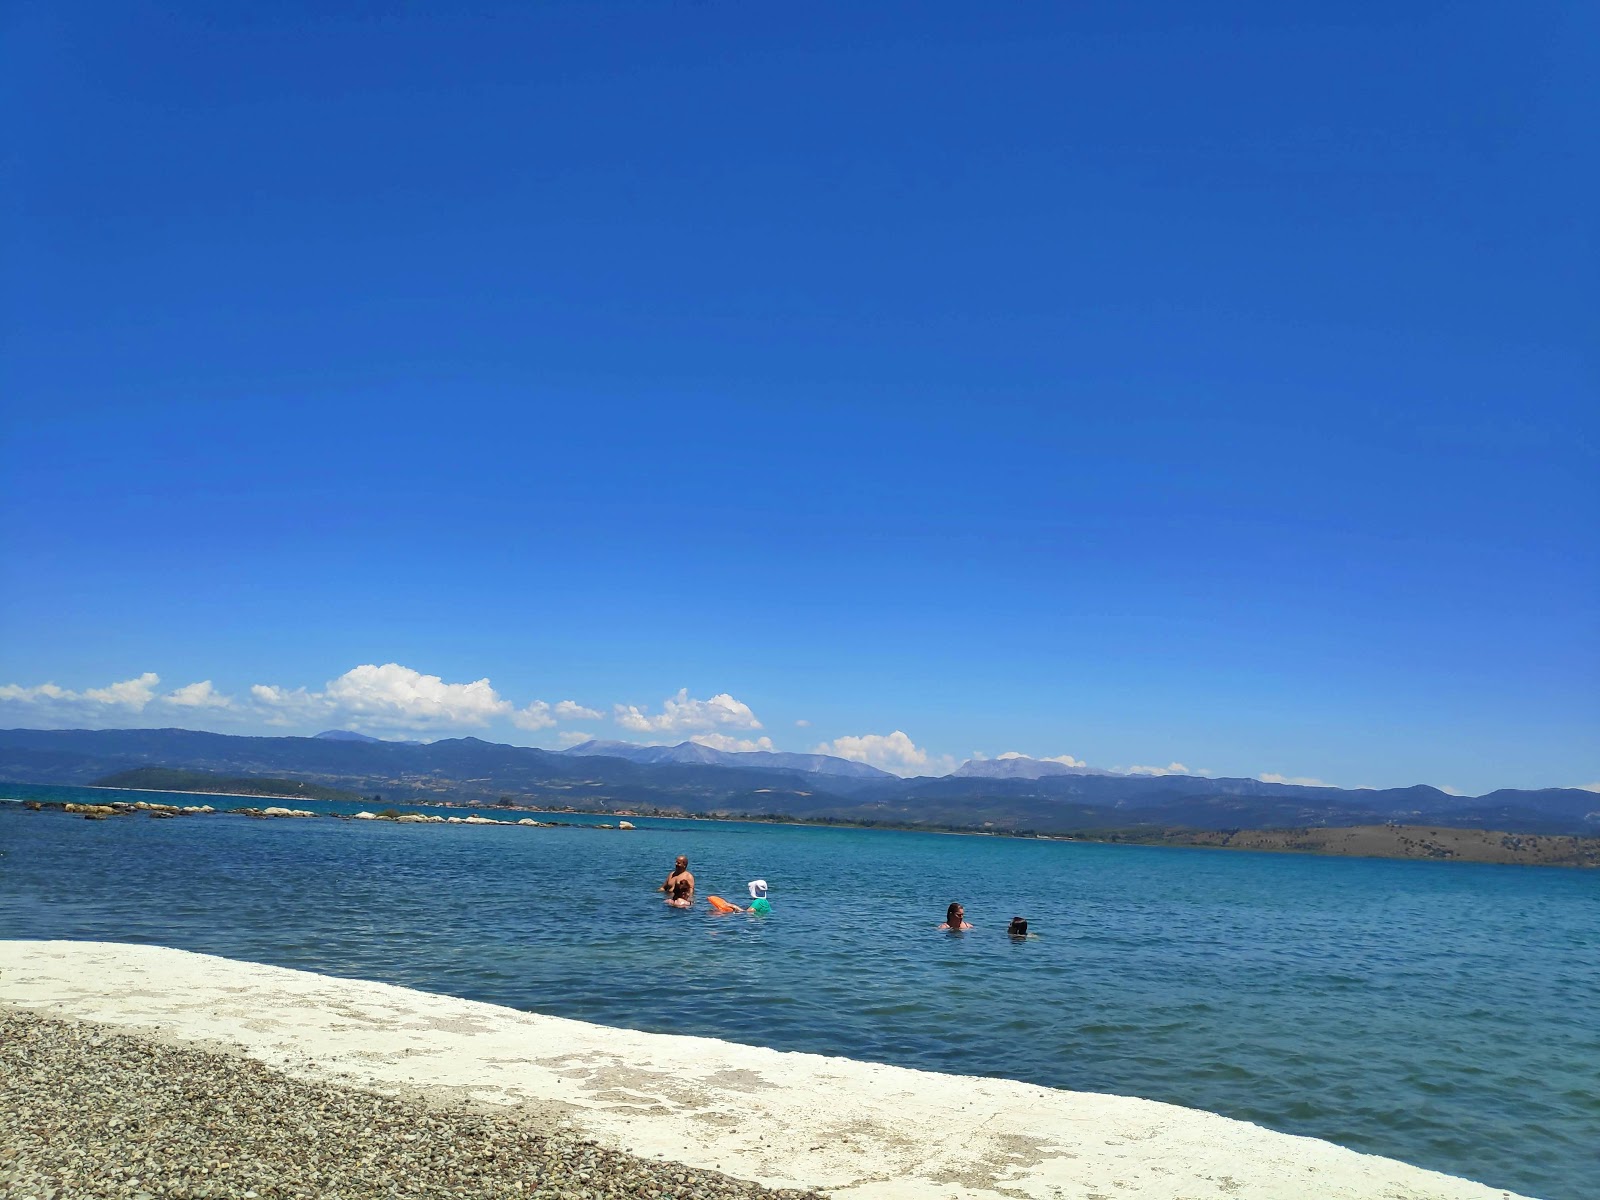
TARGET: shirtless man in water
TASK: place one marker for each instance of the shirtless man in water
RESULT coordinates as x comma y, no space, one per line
680,870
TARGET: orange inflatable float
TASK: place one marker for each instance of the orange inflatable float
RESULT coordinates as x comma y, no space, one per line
718,904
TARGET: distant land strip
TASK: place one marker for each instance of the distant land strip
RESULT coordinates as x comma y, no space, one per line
1383,841
168,779
1437,843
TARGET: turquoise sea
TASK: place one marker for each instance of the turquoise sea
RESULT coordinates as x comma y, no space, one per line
1444,1014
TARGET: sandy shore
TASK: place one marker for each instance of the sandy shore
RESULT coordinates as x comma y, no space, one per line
855,1130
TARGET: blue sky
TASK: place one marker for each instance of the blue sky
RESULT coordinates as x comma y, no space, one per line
1144,384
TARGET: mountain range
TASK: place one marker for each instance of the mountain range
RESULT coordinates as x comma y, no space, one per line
1021,795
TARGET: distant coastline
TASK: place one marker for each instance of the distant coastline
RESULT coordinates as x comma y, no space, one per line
1419,842
206,783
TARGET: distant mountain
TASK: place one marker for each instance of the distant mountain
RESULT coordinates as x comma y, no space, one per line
345,735
691,778
694,752
1018,767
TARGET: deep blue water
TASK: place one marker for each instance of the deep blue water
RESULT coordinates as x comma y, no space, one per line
1442,1013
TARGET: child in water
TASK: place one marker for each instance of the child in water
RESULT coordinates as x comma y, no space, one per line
681,893
758,901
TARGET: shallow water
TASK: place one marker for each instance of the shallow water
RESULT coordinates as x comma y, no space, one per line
1446,1014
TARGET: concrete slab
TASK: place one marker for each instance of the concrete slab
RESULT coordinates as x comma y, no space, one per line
862,1131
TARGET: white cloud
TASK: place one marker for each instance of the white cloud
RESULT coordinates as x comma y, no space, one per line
286,706
1450,791
571,737
1297,780
802,723
44,691
1589,787
131,694
888,751
1176,768
542,715
571,710
536,716
680,714
198,695
724,741
393,695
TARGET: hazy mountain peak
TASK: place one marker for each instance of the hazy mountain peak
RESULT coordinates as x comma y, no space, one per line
696,752
1017,766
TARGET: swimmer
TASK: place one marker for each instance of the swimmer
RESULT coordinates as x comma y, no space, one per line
682,894
758,898
955,918
1018,928
680,872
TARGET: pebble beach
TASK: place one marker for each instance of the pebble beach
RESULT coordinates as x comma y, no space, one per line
136,1070
85,1111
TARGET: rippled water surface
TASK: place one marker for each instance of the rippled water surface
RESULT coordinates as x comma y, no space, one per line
1444,1014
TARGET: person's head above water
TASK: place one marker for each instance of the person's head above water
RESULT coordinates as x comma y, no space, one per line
1019,927
953,914
681,863
681,890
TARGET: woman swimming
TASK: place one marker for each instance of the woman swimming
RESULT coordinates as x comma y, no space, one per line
955,918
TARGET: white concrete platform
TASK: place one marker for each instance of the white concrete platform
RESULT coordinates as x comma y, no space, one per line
857,1130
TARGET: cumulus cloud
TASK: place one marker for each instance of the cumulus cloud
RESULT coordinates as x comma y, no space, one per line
198,695
571,710
288,706
681,714
396,695
537,715
1176,768
802,723
44,691
724,741
128,694
887,751
1297,780
572,737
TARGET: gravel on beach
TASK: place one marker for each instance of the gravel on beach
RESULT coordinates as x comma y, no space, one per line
89,1112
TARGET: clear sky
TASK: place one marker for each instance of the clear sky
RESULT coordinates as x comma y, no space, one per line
1153,384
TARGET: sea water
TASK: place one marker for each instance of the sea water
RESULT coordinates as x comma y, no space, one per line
1446,1014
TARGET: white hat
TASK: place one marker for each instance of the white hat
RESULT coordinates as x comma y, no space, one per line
758,889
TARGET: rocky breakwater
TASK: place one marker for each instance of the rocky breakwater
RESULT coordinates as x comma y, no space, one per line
99,812
272,812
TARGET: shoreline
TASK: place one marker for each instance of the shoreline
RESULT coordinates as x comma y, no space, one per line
856,1130
1395,843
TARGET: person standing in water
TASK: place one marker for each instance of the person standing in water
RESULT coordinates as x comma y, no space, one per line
682,894
955,918
680,874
